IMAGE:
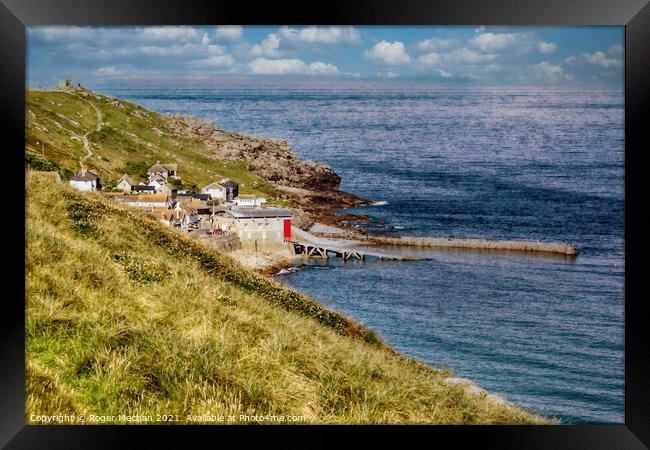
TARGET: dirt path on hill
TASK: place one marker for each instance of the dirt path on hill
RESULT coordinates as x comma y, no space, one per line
84,138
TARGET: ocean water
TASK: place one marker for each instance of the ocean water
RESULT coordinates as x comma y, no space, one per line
544,332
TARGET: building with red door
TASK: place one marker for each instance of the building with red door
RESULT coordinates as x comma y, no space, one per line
259,227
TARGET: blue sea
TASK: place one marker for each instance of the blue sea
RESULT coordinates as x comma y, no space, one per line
544,332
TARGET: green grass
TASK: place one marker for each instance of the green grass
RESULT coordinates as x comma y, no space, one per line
126,316
131,140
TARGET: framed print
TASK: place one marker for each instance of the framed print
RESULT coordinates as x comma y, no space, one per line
360,214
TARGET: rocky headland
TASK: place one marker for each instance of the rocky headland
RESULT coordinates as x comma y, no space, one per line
312,188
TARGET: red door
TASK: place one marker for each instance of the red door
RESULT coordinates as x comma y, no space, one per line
287,229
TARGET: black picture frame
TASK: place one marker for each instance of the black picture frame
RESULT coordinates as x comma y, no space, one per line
15,15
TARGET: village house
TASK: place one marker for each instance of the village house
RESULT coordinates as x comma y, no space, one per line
257,228
193,198
162,170
157,182
225,190
143,189
190,215
125,184
146,201
167,189
249,200
86,180
167,217
174,217
216,191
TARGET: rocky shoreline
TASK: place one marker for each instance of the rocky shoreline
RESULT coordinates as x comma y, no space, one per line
312,188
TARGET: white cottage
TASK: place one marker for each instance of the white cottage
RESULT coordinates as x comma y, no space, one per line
216,191
162,170
86,180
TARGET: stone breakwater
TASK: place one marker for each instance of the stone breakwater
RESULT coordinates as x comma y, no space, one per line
477,244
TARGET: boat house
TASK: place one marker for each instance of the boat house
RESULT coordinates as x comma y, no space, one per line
262,226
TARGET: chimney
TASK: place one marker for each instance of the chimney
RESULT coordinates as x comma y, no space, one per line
84,169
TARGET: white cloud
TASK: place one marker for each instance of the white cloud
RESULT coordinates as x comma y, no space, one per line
546,47
390,75
549,72
320,35
598,58
495,42
444,73
466,56
430,59
268,47
433,44
170,33
228,33
389,53
320,68
264,66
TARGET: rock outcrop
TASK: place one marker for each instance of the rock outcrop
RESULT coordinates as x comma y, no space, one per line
271,159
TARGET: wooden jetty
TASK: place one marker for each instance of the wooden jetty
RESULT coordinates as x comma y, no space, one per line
320,251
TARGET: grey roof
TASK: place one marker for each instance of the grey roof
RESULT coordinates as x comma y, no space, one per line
139,187
157,168
89,176
228,184
247,213
126,178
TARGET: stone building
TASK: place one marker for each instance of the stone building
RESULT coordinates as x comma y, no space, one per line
257,228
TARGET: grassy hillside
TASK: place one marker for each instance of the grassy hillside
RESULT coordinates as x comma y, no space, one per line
126,316
130,140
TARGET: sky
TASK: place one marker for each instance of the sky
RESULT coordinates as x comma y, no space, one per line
446,55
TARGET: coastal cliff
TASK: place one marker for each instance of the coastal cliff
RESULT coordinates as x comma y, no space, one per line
114,136
309,186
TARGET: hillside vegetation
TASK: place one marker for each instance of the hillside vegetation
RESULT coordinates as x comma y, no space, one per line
130,140
126,316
